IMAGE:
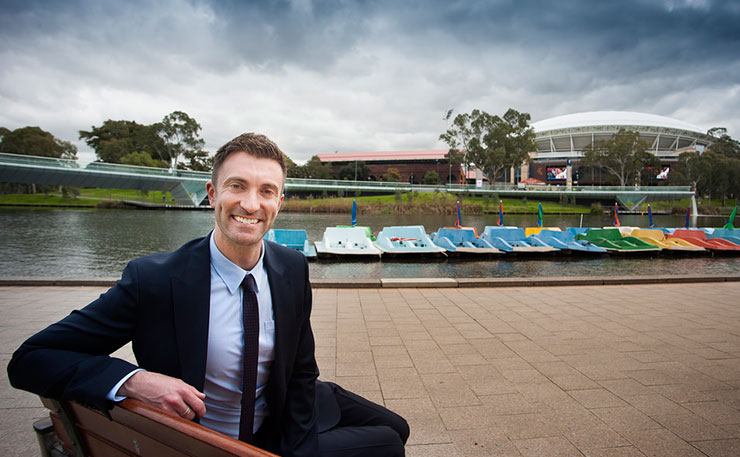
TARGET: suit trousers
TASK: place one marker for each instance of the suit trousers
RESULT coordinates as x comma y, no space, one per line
364,429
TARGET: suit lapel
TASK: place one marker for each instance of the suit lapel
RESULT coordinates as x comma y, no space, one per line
191,294
280,287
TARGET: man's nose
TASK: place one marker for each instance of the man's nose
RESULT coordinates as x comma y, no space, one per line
250,202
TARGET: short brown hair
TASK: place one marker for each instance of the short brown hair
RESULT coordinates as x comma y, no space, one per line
254,144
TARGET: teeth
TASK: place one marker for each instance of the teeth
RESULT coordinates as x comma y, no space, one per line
245,220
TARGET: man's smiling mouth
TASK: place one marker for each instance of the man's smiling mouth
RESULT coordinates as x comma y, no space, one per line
246,220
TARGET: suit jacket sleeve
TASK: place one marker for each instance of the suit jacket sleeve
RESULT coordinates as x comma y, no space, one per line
299,426
70,359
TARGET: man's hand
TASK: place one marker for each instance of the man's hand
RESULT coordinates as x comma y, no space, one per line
165,392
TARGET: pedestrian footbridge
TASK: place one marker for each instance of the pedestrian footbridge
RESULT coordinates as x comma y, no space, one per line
188,187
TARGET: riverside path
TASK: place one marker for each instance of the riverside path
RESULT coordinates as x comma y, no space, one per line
587,370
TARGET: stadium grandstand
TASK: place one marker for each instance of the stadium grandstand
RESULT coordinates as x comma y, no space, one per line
559,145
561,140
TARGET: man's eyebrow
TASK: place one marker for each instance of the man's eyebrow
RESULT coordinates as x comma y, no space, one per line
234,178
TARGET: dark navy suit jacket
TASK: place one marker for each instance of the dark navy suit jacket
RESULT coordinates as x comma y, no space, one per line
161,304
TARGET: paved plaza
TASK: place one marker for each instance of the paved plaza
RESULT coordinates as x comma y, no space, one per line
629,370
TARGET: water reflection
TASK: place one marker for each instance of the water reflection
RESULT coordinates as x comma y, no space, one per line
88,243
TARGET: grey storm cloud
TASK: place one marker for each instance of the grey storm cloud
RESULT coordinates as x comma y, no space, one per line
362,75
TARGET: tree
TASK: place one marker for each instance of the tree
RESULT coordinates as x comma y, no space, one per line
3,132
69,150
115,139
179,133
723,144
315,169
464,138
391,175
198,160
688,170
291,169
491,143
34,141
431,177
355,171
141,159
513,135
623,156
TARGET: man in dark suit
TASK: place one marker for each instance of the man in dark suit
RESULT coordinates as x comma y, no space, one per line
220,328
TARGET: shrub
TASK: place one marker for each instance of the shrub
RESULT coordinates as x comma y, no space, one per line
431,177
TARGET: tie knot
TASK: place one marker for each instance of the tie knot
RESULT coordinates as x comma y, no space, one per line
249,284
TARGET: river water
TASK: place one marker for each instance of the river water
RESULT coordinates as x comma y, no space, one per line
72,243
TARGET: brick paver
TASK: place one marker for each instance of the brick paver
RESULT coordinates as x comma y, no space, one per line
633,370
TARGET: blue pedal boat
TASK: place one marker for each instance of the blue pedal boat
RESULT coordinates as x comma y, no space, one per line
462,241
566,241
727,234
514,240
407,240
294,239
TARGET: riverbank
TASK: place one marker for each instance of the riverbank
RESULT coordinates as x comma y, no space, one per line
406,203
415,283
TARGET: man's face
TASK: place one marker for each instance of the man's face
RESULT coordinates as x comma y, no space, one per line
246,199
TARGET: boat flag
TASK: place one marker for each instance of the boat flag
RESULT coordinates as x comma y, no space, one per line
616,214
354,213
539,221
458,222
688,213
729,225
650,217
500,212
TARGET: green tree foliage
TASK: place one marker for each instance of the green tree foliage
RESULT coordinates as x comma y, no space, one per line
491,143
3,132
624,156
116,139
174,142
431,177
290,167
688,171
355,171
723,144
714,173
141,159
34,141
179,133
391,175
314,169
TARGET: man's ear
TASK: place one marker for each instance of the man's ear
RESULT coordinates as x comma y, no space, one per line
211,191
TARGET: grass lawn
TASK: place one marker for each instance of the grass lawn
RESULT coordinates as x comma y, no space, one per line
425,202
86,198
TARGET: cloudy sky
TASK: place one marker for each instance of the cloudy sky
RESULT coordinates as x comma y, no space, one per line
323,76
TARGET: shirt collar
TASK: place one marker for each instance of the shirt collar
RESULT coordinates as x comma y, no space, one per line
231,273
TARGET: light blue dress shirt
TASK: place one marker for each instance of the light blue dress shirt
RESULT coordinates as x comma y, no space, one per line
226,341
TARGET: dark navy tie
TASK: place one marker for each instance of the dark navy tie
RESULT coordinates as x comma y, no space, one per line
250,319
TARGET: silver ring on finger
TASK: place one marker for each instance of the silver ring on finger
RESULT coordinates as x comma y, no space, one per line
187,411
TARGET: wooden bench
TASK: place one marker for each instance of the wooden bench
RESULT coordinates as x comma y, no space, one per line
137,429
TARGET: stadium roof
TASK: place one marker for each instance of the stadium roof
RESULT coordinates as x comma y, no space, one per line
618,118
428,154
